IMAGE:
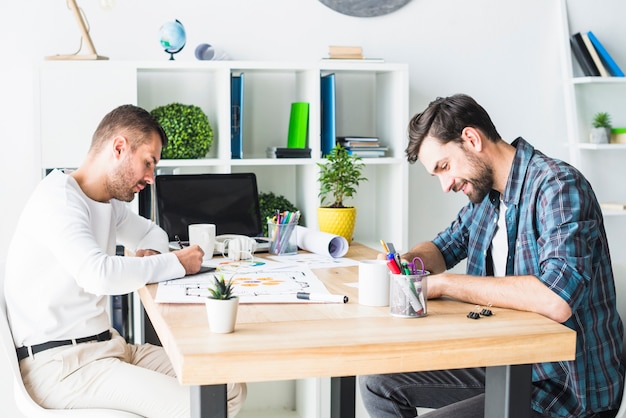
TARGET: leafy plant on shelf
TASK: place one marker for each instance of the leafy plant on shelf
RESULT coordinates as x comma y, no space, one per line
188,131
340,176
601,120
221,289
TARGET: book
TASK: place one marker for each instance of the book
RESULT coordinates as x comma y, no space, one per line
357,138
327,104
368,153
594,55
298,125
349,52
606,58
582,55
280,152
236,116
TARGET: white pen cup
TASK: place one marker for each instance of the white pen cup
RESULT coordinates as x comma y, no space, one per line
204,236
282,238
373,283
408,295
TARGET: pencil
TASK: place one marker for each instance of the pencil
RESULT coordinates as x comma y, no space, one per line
384,246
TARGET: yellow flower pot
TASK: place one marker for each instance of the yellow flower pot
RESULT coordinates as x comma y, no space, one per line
337,221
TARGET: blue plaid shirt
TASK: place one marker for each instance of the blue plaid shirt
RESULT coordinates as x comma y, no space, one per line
556,233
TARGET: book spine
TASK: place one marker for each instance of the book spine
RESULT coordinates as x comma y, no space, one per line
236,115
594,55
328,114
582,55
298,125
610,63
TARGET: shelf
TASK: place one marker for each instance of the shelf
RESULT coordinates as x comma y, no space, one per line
601,147
599,80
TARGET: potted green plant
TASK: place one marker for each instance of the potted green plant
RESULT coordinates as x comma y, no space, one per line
188,130
601,128
339,177
222,305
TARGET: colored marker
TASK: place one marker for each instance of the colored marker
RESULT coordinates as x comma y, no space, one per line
321,297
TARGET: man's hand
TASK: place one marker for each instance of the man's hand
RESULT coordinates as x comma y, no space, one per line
191,258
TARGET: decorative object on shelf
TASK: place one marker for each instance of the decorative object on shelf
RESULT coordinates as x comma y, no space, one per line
364,8
173,37
601,130
188,131
222,306
269,203
83,26
618,135
207,52
338,177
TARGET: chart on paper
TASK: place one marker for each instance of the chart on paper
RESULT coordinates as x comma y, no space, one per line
269,286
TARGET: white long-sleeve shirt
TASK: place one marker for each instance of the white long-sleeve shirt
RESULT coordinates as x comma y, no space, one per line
61,262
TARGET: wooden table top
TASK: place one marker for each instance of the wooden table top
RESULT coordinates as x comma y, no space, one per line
295,341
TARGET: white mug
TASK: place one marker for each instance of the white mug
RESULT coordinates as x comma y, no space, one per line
236,247
204,236
373,283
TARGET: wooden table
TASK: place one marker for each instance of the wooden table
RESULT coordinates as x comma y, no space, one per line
296,341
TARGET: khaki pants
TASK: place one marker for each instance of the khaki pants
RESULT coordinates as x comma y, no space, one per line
114,375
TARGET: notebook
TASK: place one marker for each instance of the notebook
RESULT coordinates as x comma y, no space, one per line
230,201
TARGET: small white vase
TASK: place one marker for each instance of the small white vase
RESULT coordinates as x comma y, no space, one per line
222,314
600,135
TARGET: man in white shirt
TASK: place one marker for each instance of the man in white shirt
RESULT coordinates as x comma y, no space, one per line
70,357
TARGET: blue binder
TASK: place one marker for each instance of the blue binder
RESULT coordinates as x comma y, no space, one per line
328,130
606,58
236,116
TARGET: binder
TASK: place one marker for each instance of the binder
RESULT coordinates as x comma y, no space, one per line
298,125
236,116
606,58
327,102
582,55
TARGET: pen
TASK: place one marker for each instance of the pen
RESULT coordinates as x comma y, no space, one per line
180,243
321,297
391,263
384,244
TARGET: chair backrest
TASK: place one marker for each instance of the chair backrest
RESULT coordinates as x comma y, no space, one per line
25,403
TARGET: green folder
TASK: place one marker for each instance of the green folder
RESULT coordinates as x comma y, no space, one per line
298,125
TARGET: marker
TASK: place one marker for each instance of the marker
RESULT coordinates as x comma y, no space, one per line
321,297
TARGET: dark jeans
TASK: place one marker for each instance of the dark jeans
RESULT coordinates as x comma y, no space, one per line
453,393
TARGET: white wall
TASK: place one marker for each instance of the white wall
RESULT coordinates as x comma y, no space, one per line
504,53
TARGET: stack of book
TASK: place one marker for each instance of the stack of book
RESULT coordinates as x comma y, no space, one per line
362,146
280,152
345,52
593,58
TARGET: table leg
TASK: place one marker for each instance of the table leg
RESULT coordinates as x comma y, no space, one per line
208,401
508,391
342,396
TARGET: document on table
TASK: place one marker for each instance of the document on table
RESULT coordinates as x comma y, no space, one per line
252,285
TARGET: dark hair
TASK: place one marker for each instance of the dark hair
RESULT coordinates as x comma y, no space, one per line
134,122
444,119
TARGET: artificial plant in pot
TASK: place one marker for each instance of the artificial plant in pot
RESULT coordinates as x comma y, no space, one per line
339,177
222,305
188,130
601,128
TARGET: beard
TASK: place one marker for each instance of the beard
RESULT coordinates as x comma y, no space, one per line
482,180
121,183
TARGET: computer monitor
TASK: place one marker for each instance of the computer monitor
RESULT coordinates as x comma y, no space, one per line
230,201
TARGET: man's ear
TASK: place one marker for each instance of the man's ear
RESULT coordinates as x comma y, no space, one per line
473,138
120,145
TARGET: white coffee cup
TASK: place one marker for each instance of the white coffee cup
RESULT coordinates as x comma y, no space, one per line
373,283
237,247
204,236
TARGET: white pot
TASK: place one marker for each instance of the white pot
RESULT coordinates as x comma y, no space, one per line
222,314
600,135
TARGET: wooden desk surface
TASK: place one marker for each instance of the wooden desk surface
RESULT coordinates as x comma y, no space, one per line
294,341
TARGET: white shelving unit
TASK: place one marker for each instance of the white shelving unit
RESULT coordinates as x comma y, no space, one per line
603,165
371,100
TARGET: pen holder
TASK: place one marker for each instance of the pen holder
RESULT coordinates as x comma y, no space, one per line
282,238
408,295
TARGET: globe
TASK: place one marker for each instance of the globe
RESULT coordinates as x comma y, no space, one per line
172,37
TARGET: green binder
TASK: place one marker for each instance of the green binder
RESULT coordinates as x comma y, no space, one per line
298,125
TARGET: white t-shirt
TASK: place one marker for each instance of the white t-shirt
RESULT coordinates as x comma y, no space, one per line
61,262
500,244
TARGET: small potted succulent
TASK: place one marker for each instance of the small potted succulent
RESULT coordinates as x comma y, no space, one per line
339,177
601,128
222,305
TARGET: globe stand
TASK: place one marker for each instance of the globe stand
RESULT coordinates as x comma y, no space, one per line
85,36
